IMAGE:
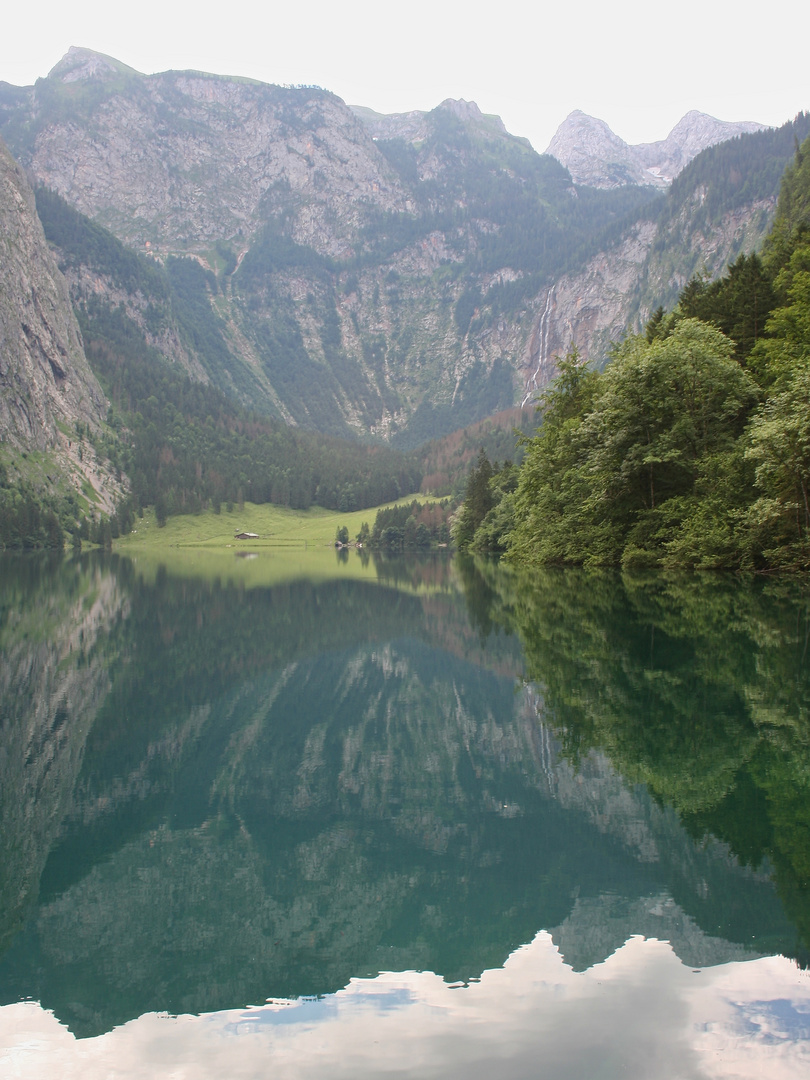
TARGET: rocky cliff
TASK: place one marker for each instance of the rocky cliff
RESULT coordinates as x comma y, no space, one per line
46,380
177,161
618,290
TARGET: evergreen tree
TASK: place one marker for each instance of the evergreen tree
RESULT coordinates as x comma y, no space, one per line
478,501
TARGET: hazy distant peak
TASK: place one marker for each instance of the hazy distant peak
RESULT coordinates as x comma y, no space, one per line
692,130
464,110
593,153
79,64
580,119
590,129
597,157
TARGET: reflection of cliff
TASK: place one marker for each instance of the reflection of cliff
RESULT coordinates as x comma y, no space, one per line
54,617
711,908
386,807
599,926
287,788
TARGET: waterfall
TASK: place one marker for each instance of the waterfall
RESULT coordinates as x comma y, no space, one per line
541,358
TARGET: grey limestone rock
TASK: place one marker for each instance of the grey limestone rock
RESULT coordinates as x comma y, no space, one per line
44,374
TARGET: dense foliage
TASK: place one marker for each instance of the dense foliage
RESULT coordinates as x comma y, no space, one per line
184,444
28,520
486,516
692,448
411,525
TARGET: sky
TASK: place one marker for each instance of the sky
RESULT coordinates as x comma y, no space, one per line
636,64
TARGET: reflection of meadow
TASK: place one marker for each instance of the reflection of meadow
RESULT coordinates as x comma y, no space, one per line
254,567
640,1015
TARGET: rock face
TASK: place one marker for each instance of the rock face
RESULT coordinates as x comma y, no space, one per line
619,289
694,132
44,374
587,311
161,145
595,156
390,276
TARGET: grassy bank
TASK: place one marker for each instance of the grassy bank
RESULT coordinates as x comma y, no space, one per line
276,526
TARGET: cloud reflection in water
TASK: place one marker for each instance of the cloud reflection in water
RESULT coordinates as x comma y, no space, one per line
640,1014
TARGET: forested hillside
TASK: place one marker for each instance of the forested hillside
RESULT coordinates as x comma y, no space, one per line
721,205
692,448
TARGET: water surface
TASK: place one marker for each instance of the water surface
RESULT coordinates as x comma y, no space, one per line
401,818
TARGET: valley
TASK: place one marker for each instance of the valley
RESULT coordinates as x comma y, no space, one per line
250,272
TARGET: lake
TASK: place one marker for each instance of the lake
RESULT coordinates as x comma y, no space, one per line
328,815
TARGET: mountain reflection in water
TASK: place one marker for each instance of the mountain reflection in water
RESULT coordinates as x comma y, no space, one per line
213,795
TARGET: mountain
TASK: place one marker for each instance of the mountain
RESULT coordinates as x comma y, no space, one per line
375,288
388,278
416,125
595,156
719,207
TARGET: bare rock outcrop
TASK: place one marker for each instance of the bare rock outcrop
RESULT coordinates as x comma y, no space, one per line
181,159
587,311
45,379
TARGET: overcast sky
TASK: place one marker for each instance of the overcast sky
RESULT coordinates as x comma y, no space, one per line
636,64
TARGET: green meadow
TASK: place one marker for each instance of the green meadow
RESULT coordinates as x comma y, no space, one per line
290,544
275,526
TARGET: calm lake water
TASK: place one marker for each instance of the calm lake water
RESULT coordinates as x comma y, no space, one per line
309,816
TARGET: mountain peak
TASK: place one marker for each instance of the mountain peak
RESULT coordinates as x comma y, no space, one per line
80,65
414,126
597,157
464,110
697,130
593,153
578,118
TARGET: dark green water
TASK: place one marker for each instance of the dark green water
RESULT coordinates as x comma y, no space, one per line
214,796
